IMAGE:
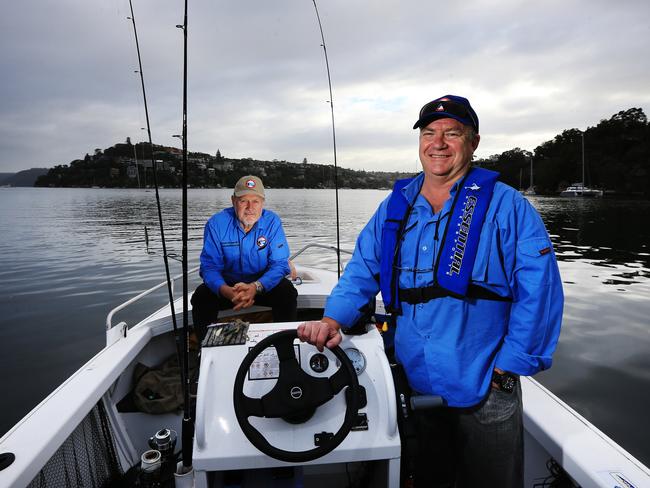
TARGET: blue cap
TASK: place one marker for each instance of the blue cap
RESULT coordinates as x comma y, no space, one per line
451,106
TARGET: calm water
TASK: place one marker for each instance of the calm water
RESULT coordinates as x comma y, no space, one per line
67,256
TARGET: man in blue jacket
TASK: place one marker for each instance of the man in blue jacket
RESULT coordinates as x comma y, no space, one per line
468,271
244,260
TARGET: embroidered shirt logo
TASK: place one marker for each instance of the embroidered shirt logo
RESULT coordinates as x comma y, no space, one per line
250,183
474,187
261,242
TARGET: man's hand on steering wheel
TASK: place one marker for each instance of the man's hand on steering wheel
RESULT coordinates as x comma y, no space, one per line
323,333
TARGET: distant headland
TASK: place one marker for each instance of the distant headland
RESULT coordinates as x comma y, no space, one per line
22,178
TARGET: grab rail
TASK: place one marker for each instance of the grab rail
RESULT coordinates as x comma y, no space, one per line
200,417
109,317
320,246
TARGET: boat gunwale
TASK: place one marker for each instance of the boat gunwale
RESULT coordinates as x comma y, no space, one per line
40,433
569,449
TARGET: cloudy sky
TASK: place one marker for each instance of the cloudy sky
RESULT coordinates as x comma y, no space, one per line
258,85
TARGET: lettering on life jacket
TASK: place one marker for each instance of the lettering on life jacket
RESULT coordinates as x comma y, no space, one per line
463,235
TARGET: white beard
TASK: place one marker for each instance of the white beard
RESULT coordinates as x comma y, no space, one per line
248,222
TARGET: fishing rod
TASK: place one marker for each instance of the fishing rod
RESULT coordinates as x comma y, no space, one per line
155,180
188,423
336,181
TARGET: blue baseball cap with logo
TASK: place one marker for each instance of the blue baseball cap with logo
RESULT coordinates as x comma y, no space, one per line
451,106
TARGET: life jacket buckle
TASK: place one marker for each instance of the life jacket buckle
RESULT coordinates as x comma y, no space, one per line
417,295
414,296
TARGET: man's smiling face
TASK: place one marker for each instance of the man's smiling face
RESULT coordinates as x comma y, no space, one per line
446,148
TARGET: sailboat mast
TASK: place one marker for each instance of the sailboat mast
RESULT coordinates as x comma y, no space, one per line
584,183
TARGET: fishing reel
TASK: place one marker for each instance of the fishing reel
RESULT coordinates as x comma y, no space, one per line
164,441
158,464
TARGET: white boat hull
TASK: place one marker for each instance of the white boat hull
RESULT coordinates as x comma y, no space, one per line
578,190
553,429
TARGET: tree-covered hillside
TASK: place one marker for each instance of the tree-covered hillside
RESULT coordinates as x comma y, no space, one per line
128,165
616,154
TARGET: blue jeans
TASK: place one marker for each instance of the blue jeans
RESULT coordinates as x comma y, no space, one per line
476,447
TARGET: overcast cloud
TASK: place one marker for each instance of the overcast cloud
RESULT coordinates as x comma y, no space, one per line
258,85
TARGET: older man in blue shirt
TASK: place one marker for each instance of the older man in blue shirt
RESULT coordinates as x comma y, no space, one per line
244,260
464,339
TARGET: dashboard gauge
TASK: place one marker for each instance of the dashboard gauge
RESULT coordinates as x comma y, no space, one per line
357,359
319,363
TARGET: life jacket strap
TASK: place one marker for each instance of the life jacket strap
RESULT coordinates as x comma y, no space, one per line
424,294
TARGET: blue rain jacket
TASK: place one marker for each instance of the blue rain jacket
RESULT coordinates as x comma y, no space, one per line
230,255
448,346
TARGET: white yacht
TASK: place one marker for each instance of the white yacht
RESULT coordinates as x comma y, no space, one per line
580,190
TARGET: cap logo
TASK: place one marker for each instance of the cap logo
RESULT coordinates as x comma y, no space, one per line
261,242
440,108
250,183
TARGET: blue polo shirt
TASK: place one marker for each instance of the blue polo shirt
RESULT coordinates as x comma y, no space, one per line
449,347
231,255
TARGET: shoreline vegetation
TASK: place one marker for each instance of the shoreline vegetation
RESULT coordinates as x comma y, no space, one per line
617,156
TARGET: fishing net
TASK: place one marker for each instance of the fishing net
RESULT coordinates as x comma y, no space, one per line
87,458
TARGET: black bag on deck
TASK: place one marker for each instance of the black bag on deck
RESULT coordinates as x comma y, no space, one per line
157,389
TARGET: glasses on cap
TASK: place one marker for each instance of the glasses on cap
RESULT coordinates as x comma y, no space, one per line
450,107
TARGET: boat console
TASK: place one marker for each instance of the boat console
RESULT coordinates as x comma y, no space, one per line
274,402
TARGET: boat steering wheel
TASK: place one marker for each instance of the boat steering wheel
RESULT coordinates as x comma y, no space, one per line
295,397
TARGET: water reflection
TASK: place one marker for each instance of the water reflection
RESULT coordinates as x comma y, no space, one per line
602,233
68,256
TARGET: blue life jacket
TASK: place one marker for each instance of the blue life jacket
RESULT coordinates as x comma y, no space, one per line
452,270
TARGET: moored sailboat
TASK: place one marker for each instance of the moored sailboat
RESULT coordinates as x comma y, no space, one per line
531,187
580,189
